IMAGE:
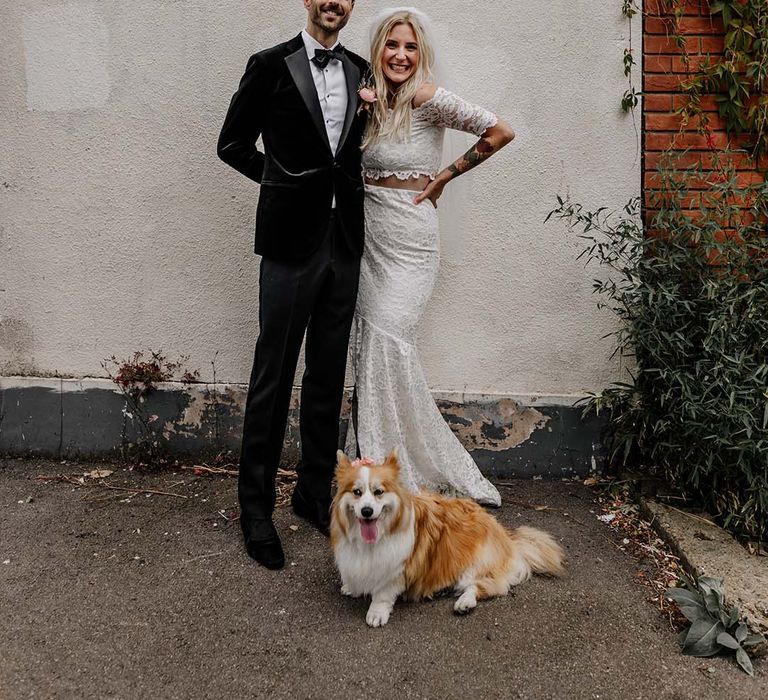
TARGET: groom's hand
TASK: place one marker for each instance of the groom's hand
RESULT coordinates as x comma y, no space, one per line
432,191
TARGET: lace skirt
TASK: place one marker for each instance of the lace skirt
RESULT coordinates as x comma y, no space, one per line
395,408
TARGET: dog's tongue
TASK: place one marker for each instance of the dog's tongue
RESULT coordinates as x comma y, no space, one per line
368,530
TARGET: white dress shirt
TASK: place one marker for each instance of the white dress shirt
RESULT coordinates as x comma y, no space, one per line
331,88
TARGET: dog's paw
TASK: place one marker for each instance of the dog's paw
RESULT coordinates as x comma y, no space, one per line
347,592
466,602
377,616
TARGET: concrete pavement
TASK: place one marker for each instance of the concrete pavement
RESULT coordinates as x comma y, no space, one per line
108,594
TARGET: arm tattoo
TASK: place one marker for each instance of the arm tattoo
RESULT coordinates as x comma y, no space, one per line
481,151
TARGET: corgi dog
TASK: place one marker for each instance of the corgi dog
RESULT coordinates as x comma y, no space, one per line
388,541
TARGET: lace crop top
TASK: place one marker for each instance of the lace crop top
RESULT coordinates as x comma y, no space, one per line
420,154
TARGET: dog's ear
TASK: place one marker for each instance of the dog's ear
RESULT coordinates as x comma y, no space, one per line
392,461
342,463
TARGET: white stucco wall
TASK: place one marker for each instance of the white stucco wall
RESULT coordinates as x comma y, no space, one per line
121,230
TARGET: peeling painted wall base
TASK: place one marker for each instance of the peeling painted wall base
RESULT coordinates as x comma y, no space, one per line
71,418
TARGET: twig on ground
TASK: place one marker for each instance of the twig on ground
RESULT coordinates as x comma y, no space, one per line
76,481
286,478
203,556
96,497
176,483
200,469
284,486
524,504
691,515
135,490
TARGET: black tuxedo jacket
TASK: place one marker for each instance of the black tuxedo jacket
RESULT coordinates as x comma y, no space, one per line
299,174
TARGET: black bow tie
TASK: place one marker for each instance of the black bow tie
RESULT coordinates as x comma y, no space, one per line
322,56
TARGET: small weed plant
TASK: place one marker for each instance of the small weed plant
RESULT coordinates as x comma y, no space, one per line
137,377
691,297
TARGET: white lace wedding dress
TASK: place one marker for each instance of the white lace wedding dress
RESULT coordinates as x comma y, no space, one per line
394,405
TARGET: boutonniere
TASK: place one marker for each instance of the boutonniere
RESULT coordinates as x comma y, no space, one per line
367,94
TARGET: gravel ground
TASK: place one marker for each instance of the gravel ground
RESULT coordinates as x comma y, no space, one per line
111,595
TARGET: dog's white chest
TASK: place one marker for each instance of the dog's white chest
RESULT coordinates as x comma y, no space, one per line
365,568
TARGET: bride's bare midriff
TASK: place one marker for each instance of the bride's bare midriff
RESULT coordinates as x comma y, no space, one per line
417,184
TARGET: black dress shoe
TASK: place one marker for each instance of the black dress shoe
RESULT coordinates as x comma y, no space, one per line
316,512
263,543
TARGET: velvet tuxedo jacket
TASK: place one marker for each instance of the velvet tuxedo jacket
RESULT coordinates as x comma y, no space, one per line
298,173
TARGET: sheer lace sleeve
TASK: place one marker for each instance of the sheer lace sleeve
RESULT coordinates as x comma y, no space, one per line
446,109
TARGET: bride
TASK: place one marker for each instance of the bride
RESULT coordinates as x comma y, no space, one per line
402,148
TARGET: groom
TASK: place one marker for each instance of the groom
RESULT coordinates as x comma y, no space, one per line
301,98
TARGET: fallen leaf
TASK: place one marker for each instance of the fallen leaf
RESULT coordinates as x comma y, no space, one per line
99,473
293,528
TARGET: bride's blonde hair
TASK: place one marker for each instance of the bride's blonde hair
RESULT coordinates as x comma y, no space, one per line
395,123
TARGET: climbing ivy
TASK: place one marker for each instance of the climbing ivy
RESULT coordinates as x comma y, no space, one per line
738,78
630,98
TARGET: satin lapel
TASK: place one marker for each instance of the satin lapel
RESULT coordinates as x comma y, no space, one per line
352,74
298,66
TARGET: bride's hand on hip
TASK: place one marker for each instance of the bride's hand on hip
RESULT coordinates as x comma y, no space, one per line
431,192
493,139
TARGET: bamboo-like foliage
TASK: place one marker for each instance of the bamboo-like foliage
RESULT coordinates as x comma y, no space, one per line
691,296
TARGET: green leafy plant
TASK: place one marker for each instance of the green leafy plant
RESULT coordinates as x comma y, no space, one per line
714,628
691,297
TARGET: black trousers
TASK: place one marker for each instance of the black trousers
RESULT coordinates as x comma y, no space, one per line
318,296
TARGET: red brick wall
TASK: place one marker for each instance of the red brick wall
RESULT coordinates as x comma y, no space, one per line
663,70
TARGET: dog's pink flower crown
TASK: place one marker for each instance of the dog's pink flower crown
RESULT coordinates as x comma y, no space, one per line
363,462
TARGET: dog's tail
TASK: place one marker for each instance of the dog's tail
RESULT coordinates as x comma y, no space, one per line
534,552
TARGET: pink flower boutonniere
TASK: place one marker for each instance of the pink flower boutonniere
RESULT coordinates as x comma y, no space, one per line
367,96
363,462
